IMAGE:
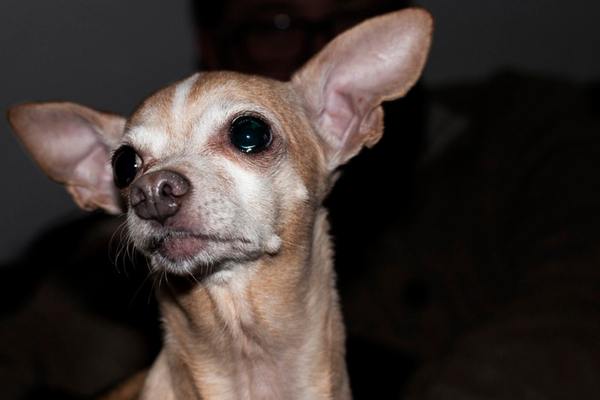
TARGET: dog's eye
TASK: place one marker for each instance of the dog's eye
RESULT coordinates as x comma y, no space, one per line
250,134
126,163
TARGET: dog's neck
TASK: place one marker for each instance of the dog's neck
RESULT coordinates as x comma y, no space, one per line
267,329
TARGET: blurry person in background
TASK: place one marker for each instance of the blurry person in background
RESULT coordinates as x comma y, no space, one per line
274,38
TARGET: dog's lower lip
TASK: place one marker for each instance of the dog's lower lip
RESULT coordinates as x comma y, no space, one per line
180,245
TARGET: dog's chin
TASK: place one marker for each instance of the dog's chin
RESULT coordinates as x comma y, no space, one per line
184,253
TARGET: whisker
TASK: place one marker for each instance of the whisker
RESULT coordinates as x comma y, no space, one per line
139,289
121,245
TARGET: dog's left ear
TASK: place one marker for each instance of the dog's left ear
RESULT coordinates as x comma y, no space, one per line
344,84
72,144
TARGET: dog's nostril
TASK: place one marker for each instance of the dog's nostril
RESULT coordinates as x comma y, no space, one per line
172,187
176,185
137,196
166,189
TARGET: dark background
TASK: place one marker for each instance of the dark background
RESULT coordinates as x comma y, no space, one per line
110,54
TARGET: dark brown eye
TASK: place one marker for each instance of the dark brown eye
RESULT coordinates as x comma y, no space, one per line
250,134
126,164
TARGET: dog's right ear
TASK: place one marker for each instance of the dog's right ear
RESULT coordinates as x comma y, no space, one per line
72,145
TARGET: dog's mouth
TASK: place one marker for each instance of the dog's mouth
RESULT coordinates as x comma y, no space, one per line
184,246
177,247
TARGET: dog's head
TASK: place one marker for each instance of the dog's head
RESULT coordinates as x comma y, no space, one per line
223,166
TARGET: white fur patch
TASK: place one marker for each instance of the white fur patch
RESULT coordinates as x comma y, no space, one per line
248,185
180,100
149,140
297,191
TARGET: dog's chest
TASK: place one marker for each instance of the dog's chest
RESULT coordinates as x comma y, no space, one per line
261,380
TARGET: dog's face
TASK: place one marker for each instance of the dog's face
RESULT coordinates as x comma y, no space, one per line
214,166
227,167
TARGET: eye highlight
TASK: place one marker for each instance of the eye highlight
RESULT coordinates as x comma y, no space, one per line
250,134
126,164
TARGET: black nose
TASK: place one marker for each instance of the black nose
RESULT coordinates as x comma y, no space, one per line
158,195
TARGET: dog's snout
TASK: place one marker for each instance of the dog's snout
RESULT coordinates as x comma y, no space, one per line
158,195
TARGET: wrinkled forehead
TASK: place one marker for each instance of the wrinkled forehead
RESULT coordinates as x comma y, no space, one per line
190,111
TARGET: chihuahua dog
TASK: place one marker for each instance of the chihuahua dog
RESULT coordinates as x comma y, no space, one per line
222,176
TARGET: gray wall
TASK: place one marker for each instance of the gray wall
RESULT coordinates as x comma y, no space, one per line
111,53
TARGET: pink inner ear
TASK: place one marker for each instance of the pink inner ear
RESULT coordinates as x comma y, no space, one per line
85,168
348,121
98,191
69,143
339,115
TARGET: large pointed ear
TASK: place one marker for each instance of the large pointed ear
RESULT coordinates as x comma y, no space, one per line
72,145
344,84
